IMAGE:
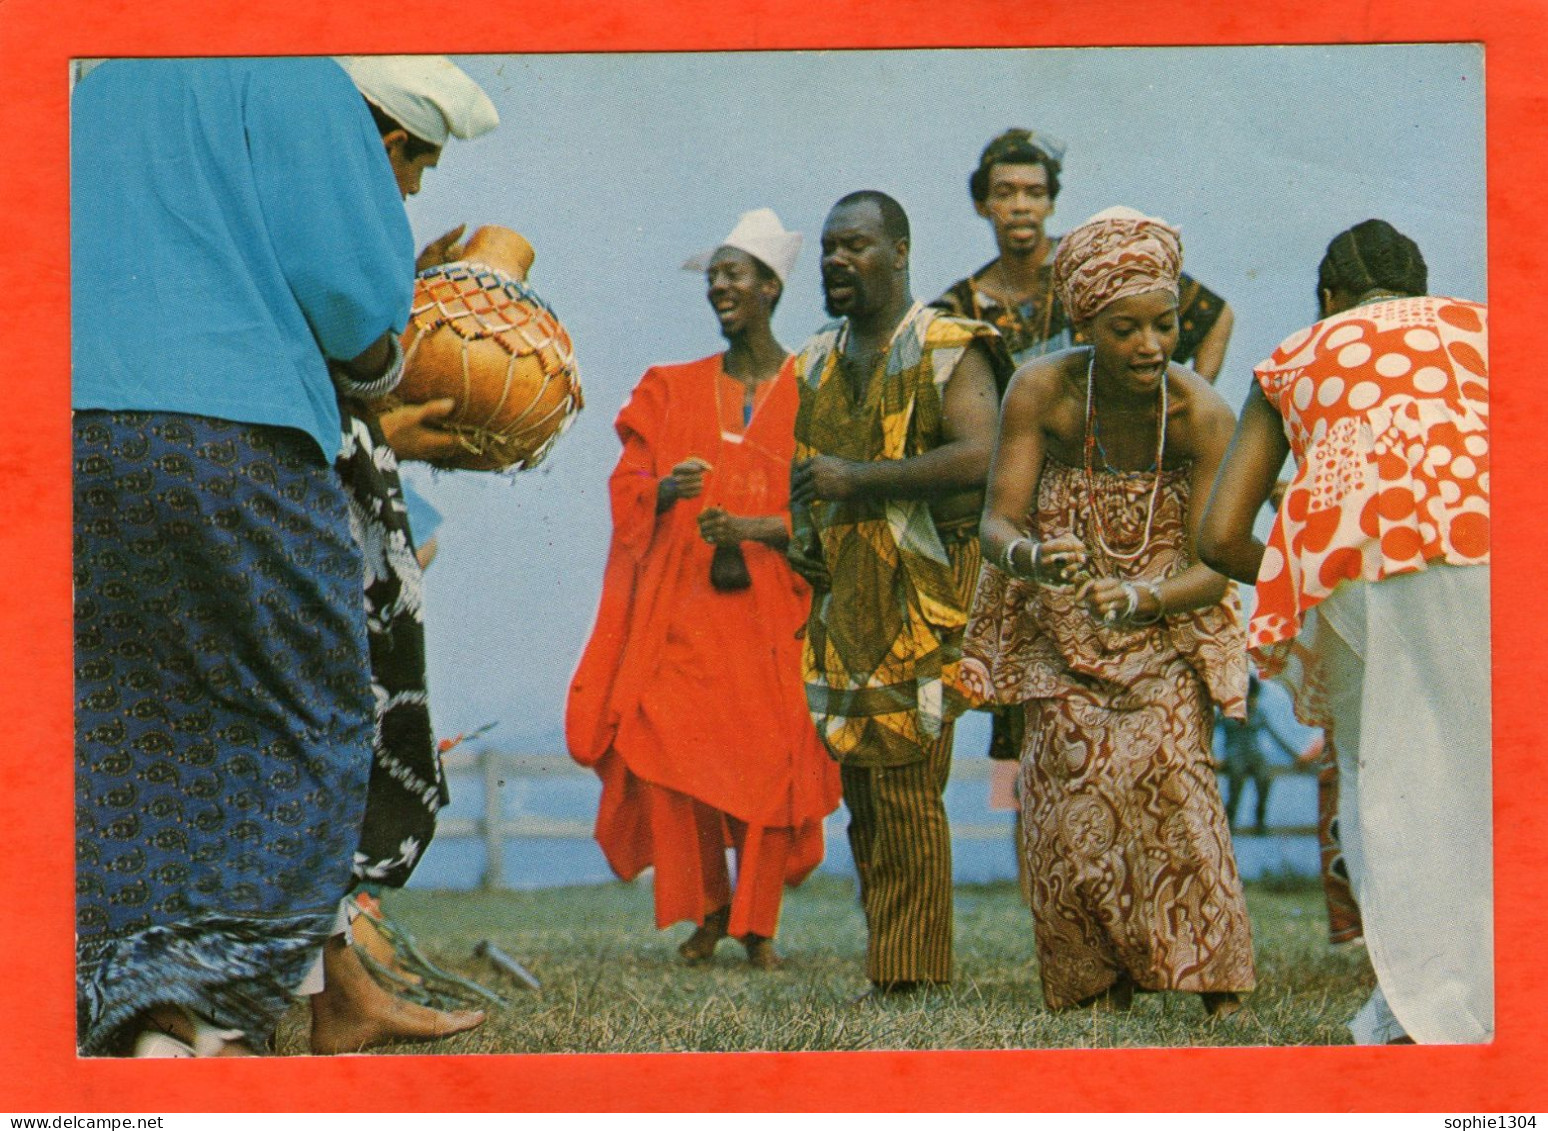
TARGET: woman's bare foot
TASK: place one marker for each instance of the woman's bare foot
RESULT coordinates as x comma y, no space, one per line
368,937
353,1013
1219,1006
1117,998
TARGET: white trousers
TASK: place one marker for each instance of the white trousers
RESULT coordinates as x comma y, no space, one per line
314,982
1407,661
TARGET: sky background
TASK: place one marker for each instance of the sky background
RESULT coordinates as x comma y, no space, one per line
618,167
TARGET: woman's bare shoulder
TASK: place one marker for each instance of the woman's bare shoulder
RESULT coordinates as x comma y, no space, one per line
1195,399
1047,381
1200,416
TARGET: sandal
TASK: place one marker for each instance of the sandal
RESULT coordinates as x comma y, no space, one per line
155,1044
159,1042
761,954
700,946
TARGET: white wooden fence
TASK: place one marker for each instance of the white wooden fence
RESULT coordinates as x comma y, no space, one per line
496,768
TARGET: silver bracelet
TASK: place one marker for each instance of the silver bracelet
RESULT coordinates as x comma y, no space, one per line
1009,558
1155,592
1131,596
381,386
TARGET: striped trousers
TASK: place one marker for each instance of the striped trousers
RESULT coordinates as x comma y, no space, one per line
902,848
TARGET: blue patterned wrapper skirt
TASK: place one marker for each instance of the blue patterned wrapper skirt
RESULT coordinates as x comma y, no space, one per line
224,717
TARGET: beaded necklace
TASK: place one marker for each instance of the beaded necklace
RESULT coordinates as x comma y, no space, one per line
1090,460
1107,460
1379,294
1012,308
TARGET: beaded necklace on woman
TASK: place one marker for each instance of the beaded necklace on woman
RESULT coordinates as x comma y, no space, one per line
1092,442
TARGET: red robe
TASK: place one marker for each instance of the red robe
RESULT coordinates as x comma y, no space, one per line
688,701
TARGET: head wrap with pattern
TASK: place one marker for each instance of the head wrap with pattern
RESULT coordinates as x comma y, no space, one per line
1117,253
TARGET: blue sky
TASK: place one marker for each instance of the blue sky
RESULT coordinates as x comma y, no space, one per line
618,167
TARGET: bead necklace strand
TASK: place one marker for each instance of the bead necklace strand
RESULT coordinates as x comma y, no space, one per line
1011,307
1090,460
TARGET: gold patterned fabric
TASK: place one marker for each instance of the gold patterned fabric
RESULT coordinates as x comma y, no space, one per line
892,578
1125,839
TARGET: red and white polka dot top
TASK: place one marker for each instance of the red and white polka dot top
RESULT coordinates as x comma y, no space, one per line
1386,407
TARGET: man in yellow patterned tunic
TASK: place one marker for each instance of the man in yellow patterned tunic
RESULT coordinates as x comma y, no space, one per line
893,435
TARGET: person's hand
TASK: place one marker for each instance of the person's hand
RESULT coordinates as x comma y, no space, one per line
410,431
1106,599
1276,497
1060,561
688,477
821,477
720,528
442,249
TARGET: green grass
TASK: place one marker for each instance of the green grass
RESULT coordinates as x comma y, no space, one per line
611,983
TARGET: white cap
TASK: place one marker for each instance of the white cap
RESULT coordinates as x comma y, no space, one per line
429,95
760,234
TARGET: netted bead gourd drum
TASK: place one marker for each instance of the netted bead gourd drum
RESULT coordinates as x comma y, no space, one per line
481,336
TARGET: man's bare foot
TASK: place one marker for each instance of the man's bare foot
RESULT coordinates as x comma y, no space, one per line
761,954
699,947
353,1013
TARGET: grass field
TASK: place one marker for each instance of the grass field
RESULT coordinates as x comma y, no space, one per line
611,983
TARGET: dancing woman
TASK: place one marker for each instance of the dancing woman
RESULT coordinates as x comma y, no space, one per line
1373,605
1095,615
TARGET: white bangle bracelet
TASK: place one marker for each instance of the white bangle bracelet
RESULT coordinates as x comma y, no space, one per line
1155,593
378,386
1009,558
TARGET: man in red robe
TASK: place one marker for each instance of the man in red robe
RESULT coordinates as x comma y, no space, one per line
688,700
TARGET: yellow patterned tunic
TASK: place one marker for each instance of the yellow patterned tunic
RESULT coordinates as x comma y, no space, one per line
892,578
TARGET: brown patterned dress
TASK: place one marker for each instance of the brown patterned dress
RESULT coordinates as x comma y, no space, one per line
1124,835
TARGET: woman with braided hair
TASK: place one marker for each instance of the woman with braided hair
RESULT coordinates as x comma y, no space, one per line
1373,606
